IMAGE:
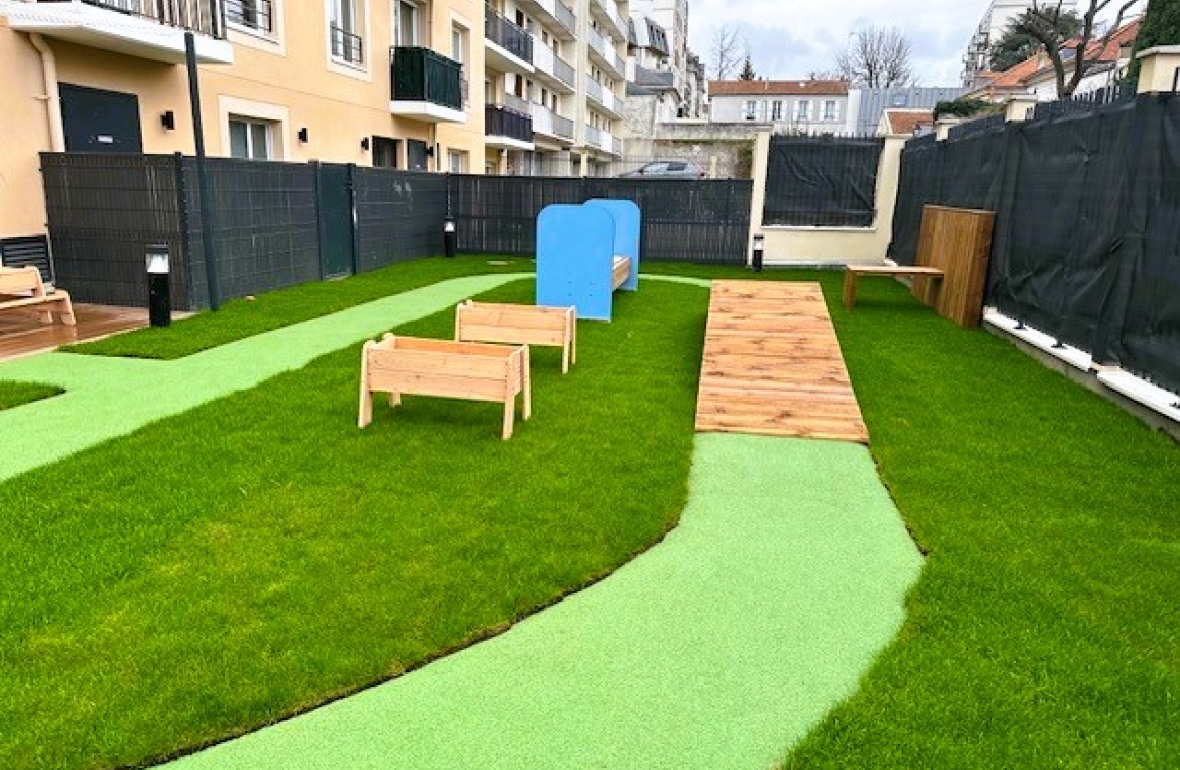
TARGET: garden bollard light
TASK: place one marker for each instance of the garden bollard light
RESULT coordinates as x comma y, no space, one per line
449,236
159,293
758,239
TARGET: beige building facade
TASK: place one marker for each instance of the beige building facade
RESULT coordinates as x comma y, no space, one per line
374,82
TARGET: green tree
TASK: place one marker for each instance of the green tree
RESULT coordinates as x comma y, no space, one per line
1016,44
1161,26
747,72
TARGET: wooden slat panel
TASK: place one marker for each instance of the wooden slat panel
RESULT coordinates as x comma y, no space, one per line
458,363
772,364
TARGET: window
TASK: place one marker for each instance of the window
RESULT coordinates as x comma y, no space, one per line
802,110
384,152
458,44
751,109
830,109
406,24
249,139
255,15
347,43
457,161
776,110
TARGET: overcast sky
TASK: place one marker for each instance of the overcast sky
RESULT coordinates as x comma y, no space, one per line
789,38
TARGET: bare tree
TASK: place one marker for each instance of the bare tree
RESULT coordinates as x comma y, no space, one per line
877,57
727,51
1043,22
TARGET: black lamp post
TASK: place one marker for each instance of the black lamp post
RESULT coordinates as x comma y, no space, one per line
159,291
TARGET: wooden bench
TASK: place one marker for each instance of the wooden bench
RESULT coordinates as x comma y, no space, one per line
852,272
519,325
21,289
445,369
620,271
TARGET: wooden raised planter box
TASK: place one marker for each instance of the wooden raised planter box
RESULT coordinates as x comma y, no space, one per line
519,325
468,370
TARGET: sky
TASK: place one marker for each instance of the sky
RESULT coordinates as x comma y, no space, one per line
789,38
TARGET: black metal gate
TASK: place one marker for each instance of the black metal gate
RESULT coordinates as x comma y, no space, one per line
334,205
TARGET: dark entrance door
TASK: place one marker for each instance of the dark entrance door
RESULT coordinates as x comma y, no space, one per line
94,120
415,155
334,190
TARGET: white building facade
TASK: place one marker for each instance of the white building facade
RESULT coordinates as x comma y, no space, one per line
554,86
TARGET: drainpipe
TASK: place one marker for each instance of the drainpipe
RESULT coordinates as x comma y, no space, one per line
57,140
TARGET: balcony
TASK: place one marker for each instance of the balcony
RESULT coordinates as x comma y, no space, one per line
425,85
607,13
603,53
507,128
509,48
603,99
549,124
555,71
656,79
554,15
593,136
148,29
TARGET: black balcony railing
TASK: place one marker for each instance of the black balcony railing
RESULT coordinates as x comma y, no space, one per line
255,14
507,35
421,74
507,122
204,16
347,46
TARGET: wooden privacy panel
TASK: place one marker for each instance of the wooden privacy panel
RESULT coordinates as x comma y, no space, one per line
958,242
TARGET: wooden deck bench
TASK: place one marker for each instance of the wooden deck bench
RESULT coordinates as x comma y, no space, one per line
519,325
445,369
852,272
21,290
620,271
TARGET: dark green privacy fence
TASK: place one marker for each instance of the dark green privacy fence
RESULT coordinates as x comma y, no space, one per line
1087,240
281,224
821,181
687,220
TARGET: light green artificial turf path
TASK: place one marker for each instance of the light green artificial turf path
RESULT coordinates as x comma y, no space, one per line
719,648
109,397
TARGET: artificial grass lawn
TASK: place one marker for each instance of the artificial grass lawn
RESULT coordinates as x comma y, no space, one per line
694,655
1042,631
241,318
14,393
259,554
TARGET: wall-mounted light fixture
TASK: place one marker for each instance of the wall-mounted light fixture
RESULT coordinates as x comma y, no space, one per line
303,135
168,120
365,143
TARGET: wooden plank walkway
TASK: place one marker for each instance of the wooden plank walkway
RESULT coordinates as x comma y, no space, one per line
772,364
22,335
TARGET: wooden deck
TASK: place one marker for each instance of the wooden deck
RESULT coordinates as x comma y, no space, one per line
23,335
772,365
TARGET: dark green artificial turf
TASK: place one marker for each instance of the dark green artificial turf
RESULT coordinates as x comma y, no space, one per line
14,394
260,554
241,318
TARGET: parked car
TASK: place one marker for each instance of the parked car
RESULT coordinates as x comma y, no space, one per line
666,169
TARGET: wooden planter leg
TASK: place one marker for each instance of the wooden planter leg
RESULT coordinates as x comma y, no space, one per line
365,415
526,383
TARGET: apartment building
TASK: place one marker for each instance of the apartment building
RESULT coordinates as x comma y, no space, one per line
554,76
371,82
795,106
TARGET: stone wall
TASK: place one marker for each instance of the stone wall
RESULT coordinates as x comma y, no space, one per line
724,151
